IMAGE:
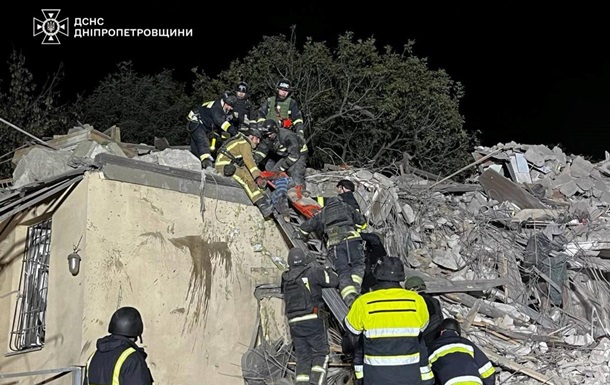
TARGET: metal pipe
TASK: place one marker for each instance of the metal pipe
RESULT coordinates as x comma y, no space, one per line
26,133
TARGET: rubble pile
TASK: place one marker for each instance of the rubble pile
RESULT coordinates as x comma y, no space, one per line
518,254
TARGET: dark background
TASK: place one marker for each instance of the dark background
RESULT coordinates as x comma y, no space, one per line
534,74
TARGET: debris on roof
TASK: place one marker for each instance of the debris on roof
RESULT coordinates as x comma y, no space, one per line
519,254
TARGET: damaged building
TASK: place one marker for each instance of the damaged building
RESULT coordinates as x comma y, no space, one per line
518,254
90,226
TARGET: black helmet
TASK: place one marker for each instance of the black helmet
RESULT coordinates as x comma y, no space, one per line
347,184
451,324
389,269
254,132
296,257
269,127
229,98
241,87
127,322
284,84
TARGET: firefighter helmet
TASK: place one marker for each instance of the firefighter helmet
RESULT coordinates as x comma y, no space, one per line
296,257
451,324
389,269
254,132
269,127
242,87
284,84
415,283
127,322
347,184
229,98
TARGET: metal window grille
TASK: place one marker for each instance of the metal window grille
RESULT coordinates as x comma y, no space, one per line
28,330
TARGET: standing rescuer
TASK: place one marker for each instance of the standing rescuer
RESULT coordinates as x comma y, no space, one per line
118,360
283,109
302,287
391,319
338,220
210,120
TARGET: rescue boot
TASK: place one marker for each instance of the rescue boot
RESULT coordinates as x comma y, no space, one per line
264,206
207,164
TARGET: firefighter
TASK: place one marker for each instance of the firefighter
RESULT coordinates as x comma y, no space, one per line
243,111
118,360
373,246
283,109
235,159
302,287
210,120
392,320
418,285
337,221
282,150
456,360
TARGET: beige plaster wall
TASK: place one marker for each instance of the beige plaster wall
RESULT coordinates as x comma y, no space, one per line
64,301
191,278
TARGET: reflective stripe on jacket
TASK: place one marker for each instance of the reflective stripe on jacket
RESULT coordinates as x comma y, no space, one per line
456,360
391,320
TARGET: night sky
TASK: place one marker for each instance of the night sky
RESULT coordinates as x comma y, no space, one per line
537,74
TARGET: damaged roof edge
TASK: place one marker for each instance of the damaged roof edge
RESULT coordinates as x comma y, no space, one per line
189,182
124,170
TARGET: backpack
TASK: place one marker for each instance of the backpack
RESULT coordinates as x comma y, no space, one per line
297,297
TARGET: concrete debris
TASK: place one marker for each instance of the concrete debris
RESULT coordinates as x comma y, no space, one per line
40,164
79,148
174,158
519,254
533,217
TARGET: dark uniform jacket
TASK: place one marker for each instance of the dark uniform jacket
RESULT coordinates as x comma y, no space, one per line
213,118
287,145
243,109
436,317
337,220
120,355
457,359
316,278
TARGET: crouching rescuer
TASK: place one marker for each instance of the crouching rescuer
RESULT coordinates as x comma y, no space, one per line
235,160
302,287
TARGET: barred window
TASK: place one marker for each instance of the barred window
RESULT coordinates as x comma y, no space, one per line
28,330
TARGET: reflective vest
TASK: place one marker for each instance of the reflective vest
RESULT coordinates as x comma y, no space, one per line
391,320
117,366
273,104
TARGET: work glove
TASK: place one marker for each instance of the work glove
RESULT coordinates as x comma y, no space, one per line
261,182
232,130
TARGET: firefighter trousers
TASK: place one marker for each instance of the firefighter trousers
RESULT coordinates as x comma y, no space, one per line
200,142
311,347
348,258
244,178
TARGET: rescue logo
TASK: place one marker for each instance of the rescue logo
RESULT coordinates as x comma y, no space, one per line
51,26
